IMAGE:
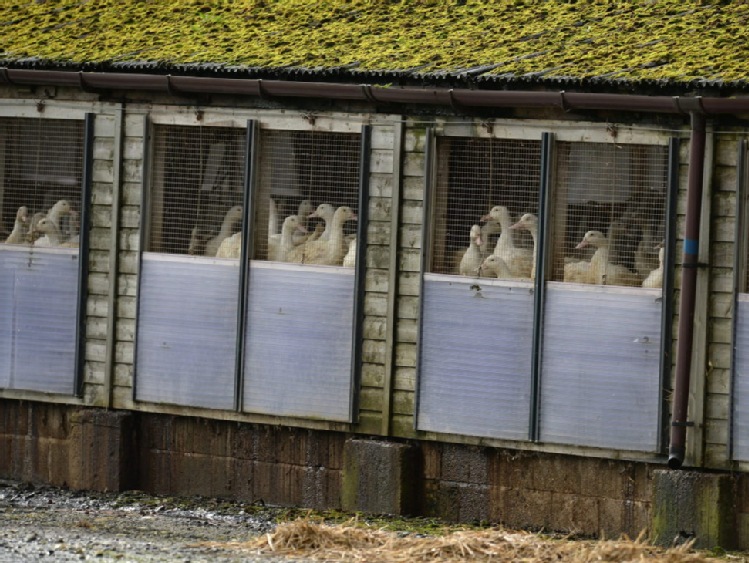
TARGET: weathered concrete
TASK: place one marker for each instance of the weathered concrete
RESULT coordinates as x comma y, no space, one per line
379,477
691,505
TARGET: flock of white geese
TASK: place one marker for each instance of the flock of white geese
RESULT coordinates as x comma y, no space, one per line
59,226
509,260
291,240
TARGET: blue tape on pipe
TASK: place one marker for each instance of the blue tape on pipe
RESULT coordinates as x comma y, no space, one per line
691,246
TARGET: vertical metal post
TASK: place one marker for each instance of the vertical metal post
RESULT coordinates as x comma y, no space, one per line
83,248
543,240
667,295
245,256
144,235
426,249
739,275
360,274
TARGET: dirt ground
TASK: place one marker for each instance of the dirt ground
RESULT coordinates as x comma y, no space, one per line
48,524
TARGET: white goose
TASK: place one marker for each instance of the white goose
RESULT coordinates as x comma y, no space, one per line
232,217
272,217
18,234
655,278
54,215
519,260
472,258
280,245
602,272
324,211
529,222
52,235
303,212
230,247
34,232
349,261
326,252
494,267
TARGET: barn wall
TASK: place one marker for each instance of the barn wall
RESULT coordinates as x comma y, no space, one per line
506,479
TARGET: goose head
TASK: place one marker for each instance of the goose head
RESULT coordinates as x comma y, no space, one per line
293,223
498,213
305,208
324,211
46,225
62,207
234,214
593,238
345,213
22,215
493,264
476,235
528,221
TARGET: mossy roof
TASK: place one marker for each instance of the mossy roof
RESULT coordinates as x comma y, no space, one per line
669,41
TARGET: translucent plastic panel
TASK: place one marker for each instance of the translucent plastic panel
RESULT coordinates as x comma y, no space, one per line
741,381
187,331
299,341
476,357
600,382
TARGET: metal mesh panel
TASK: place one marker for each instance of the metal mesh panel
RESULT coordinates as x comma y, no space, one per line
489,184
196,197
309,182
477,334
41,168
188,297
609,215
300,314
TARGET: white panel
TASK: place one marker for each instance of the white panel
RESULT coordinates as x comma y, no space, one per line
298,346
38,295
476,352
186,339
600,382
741,382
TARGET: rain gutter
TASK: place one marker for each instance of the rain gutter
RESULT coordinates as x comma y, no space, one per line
695,106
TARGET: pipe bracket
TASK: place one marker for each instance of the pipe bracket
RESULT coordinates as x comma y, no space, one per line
688,423
695,265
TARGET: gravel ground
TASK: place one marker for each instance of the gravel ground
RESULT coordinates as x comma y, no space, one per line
47,524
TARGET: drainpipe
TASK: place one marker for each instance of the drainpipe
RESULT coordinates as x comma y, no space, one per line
679,423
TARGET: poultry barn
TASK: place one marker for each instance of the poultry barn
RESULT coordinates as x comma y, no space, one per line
461,294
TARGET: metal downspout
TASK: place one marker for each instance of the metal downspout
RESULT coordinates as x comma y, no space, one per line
679,423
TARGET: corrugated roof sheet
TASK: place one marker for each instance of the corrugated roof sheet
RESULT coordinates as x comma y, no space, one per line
654,44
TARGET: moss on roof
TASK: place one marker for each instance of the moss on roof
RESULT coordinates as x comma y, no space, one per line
669,39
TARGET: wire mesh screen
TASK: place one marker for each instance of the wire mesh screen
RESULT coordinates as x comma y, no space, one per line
196,198
484,188
188,297
300,304
610,211
476,335
41,169
308,197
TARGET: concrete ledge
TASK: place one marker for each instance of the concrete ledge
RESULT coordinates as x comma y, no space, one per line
691,505
379,477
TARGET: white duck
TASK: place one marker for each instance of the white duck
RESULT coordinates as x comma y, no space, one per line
602,272
349,261
494,267
232,217
279,246
18,234
529,222
518,259
272,217
230,247
74,227
52,235
472,258
54,215
655,278
326,252
58,211
324,211
303,212
34,232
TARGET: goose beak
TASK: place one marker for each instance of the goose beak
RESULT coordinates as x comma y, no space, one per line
486,217
301,228
518,225
583,244
479,241
313,214
354,217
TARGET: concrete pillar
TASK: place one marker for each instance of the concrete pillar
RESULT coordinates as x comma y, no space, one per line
691,505
379,477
